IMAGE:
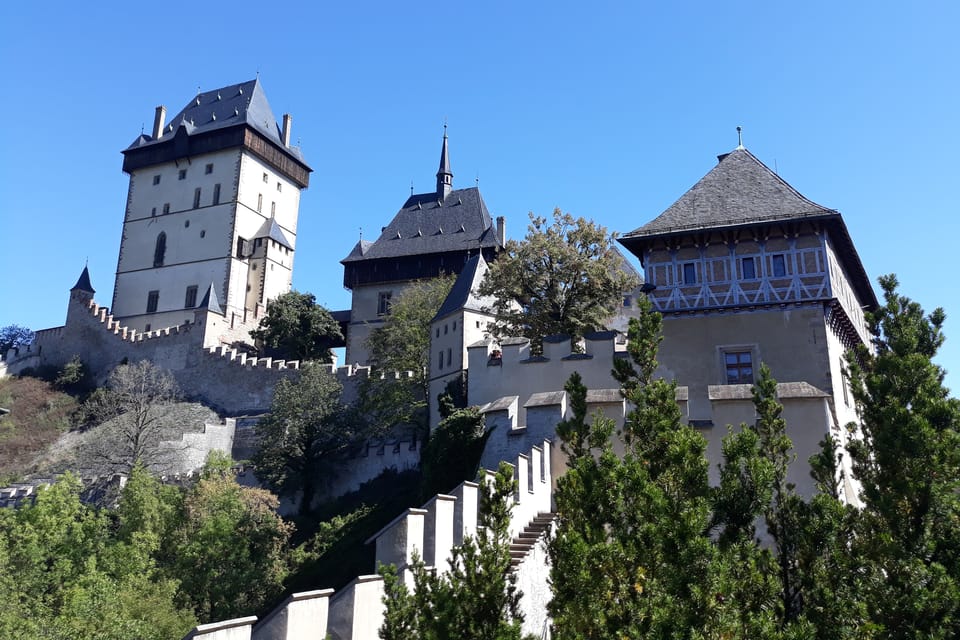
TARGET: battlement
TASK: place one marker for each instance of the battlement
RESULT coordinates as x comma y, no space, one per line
431,532
95,489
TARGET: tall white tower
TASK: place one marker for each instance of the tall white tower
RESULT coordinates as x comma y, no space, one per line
213,202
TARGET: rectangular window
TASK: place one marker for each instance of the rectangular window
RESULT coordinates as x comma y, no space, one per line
241,247
191,299
273,209
166,207
153,298
779,265
216,193
279,186
153,211
156,180
749,268
196,197
739,367
208,169
266,178
383,303
182,175
689,273
441,359
627,301
259,202
449,357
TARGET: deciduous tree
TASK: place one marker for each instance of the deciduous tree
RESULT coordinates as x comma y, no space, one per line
565,277
14,335
297,328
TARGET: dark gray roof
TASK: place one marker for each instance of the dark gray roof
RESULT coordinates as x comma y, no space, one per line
210,301
272,230
739,190
83,282
228,106
359,249
463,293
426,225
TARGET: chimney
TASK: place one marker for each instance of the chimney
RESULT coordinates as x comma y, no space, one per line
158,119
501,230
287,120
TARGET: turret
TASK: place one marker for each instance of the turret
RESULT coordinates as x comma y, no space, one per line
444,175
80,295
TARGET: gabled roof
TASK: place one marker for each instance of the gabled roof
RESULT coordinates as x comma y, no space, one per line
739,190
272,230
83,282
463,293
244,103
427,224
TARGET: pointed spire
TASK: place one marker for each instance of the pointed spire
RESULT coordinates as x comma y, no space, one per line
444,174
210,301
83,282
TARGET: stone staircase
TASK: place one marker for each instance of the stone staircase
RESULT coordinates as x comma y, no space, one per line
528,538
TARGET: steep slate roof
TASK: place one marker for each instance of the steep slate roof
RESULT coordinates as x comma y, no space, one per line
210,300
427,225
272,230
462,295
741,191
83,282
243,103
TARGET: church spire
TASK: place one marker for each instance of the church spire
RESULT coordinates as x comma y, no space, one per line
444,175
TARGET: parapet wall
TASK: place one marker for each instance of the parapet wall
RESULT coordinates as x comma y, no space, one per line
430,532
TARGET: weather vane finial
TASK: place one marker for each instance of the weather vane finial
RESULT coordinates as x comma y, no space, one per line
739,137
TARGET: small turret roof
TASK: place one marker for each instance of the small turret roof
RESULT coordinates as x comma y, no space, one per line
244,103
83,282
463,294
210,300
444,169
272,230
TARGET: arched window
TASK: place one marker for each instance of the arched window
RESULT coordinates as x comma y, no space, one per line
160,250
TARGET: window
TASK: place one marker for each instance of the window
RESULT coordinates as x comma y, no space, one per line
449,357
186,224
196,197
454,325
445,329
153,298
438,332
273,209
843,383
441,359
146,327
156,180
259,202
749,268
279,186
160,250
266,178
153,211
208,169
182,175
627,301
203,233
241,247
689,273
779,266
216,193
190,301
383,303
166,207
739,367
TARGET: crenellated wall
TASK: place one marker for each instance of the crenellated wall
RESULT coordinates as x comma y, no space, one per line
356,611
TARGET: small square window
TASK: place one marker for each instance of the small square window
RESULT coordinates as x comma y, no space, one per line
182,175
279,186
153,299
749,268
190,301
153,211
156,179
779,265
383,303
147,327
208,169
266,178
689,273
739,367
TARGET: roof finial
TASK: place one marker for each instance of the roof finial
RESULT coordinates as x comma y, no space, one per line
361,234
477,179
411,187
198,89
444,174
739,137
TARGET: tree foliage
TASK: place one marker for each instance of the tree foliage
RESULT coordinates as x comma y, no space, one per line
306,435
400,345
14,335
477,597
297,328
131,411
565,277
452,452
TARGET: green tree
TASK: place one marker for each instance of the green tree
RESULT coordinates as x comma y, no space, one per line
230,545
14,335
297,328
565,277
477,598
452,452
907,459
306,435
401,345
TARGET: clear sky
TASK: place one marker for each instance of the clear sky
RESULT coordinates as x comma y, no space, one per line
610,110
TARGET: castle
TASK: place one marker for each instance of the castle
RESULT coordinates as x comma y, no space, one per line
743,268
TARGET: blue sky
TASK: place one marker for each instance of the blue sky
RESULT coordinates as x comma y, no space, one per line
610,110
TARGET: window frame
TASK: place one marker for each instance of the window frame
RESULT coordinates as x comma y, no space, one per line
383,302
743,360
153,300
778,260
752,261
689,268
190,298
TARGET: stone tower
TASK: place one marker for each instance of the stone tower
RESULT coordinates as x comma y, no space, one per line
214,196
